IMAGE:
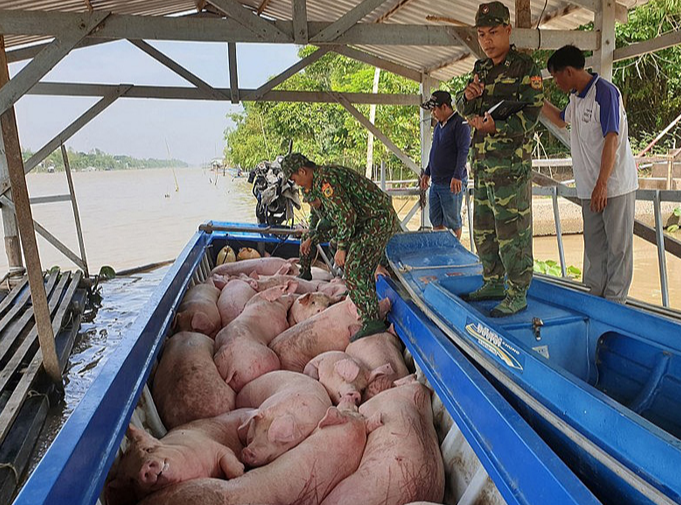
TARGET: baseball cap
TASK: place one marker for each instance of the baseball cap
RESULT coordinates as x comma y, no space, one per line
292,162
437,99
492,14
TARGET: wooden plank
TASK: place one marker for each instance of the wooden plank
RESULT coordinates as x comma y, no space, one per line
11,409
299,16
346,21
17,358
12,295
10,334
74,206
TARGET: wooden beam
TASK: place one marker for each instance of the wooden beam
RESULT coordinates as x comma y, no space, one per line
469,39
446,63
27,53
233,73
177,68
263,5
292,70
670,39
400,4
74,207
299,15
88,5
347,21
179,93
228,30
47,59
364,121
247,18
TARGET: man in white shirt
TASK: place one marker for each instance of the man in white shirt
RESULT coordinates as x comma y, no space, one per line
604,170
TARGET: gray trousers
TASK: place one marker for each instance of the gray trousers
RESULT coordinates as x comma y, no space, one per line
609,247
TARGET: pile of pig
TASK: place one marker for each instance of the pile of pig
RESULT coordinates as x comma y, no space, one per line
267,402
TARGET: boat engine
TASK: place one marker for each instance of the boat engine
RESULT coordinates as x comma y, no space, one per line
276,197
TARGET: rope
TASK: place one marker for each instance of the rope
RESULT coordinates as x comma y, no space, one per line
13,469
409,268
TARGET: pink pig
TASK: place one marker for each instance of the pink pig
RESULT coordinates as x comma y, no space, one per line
233,298
302,476
308,305
335,287
202,448
241,347
374,351
342,375
187,385
402,460
327,331
289,406
199,310
263,266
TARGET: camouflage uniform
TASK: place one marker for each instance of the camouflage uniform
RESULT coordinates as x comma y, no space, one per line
502,170
364,220
320,231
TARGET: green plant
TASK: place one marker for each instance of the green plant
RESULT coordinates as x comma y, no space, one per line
551,267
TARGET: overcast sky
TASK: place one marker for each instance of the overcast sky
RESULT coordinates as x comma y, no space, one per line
192,130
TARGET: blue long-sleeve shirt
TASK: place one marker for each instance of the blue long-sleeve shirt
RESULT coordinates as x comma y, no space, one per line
449,151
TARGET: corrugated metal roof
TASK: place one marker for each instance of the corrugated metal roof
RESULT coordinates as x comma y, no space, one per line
441,62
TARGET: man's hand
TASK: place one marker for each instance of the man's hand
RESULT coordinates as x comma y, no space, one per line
483,124
339,258
305,247
455,186
424,180
474,89
599,197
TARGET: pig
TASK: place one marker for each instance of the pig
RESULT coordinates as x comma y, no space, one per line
327,331
199,310
201,448
242,353
308,305
289,406
335,287
234,296
187,384
247,253
374,351
402,460
342,375
302,476
263,266
321,274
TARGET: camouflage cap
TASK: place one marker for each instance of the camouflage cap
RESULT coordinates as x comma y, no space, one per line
292,162
492,14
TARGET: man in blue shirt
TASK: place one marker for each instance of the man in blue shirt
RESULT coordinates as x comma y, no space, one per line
447,163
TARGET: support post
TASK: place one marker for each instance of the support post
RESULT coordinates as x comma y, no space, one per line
15,166
604,24
661,258
74,206
9,220
469,212
233,75
426,133
559,232
383,175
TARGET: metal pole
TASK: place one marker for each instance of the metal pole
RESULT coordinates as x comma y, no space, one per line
662,260
74,205
383,175
559,233
469,209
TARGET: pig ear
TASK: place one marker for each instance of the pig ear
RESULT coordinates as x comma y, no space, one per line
291,286
374,422
332,417
391,329
305,299
202,323
386,369
254,275
242,430
209,281
137,435
311,370
347,368
272,294
294,261
219,281
283,270
282,429
409,379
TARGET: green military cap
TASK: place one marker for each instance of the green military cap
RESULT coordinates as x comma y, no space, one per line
292,162
492,14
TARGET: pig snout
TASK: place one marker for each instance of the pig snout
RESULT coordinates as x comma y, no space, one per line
353,397
151,471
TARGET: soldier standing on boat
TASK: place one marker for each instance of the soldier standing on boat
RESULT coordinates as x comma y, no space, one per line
502,161
320,230
363,219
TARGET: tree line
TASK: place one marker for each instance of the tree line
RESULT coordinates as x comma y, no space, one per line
99,160
650,86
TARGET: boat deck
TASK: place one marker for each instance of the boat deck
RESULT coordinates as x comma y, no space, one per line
25,389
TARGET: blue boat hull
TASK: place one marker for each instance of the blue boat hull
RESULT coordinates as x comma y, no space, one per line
600,381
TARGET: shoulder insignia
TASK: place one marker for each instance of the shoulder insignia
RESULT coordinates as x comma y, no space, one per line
327,190
536,82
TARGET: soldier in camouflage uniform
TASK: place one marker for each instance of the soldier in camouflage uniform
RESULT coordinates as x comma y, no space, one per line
363,220
320,231
502,161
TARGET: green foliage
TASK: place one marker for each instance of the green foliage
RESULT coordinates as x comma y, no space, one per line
551,267
107,272
100,160
673,228
677,211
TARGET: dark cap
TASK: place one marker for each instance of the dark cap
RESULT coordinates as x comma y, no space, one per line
292,162
437,99
492,14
